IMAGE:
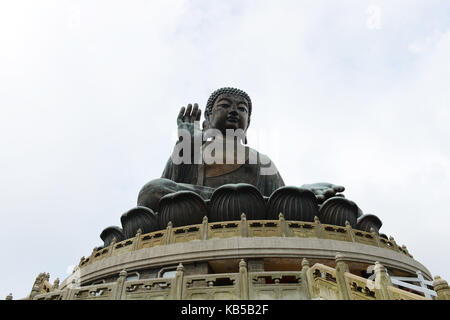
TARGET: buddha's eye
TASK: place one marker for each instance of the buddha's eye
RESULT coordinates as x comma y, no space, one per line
224,105
242,107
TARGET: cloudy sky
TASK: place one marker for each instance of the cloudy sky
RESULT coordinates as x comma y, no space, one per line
350,92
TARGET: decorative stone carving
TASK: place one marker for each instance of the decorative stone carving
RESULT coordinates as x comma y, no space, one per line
337,210
228,202
182,208
139,218
294,203
442,288
368,221
108,234
42,278
55,284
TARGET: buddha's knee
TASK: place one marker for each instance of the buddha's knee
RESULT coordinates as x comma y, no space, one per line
152,191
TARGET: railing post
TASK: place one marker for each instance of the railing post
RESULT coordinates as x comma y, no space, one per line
318,227
120,283
313,292
55,285
375,236
284,230
341,269
406,251
65,293
243,279
92,256
169,232
244,226
350,234
205,228
136,240
111,246
34,291
394,244
81,261
178,289
71,290
442,289
305,282
382,282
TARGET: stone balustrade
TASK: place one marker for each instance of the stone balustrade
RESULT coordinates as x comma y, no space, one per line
242,228
316,282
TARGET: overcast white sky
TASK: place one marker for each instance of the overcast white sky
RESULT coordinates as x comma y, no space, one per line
350,92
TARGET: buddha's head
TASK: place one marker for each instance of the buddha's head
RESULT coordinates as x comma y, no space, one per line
228,108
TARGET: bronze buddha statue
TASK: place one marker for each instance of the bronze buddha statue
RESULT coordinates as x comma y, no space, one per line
213,174
229,160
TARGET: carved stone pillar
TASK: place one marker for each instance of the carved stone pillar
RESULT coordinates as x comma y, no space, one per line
284,230
305,283
178,289
341,269
137,238
244,226
205,228
382,282
120,284
442,289
318,227
168,232
243,279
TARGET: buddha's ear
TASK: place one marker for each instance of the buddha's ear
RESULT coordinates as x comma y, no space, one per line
205,125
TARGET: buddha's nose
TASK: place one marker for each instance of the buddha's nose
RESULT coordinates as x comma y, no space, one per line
234,113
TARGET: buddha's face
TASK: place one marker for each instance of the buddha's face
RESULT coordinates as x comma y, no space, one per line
229,112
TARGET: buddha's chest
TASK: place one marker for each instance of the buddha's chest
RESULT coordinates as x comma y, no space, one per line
218,175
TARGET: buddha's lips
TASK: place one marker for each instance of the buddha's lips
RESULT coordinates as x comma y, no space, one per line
233,119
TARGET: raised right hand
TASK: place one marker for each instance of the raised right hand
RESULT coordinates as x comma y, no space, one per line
189,119
189,115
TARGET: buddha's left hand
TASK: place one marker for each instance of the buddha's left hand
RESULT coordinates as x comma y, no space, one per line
324,190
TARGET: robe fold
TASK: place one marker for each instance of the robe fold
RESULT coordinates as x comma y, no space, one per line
204,179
